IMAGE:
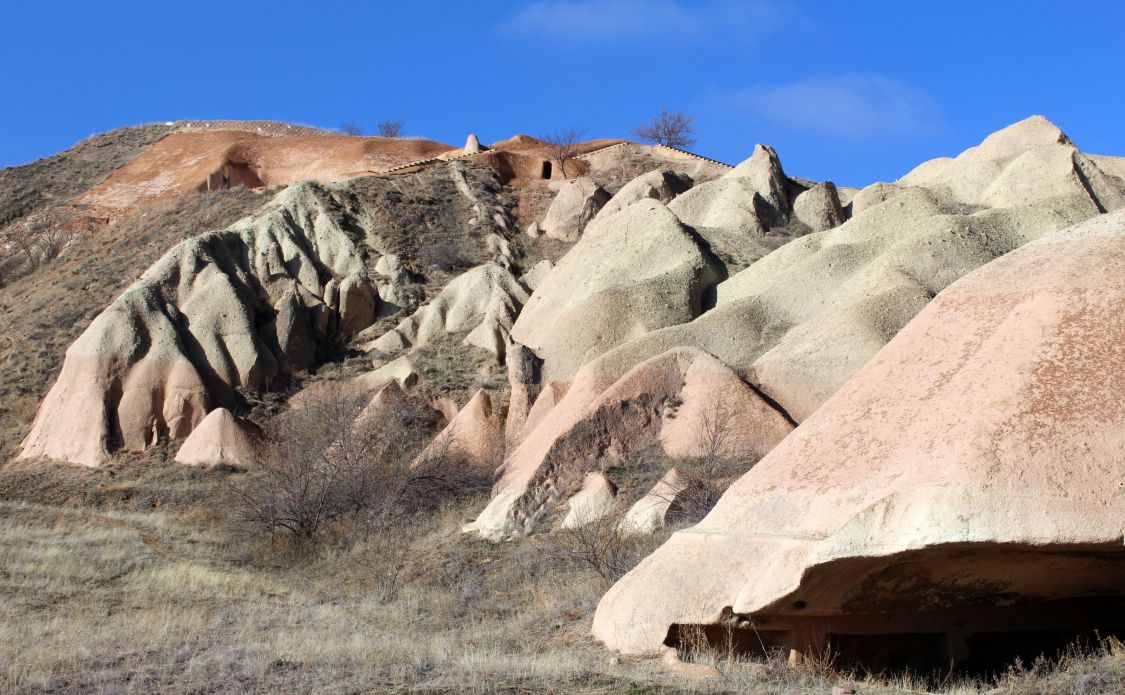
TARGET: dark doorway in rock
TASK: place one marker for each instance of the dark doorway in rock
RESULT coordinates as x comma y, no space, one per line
546,170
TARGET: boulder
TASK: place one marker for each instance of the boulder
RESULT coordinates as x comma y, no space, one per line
656,508
593,501
661,400
576,203
637,271
662,185
819,207
533,230
966,481
220,438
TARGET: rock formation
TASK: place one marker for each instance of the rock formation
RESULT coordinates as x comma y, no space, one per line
632,273
221,438
662,185
593,501
661,399
576,203
483,302
967,480
654,510
474,436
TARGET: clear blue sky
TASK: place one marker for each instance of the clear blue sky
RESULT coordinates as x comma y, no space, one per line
848,91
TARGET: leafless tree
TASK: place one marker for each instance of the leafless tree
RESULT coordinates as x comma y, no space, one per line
351,128
564,146
390,129
670,128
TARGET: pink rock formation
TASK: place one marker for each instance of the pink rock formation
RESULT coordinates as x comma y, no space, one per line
220,438
662,397
474,436
593,501
973,466
651,511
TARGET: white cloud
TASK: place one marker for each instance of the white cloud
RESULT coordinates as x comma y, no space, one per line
585,20
854,106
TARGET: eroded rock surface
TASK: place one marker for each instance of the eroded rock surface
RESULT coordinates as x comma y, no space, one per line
974,465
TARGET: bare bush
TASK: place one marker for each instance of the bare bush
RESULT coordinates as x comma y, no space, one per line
564,146
332,474
721,456
390,129
602,545
669,128
52,242
351,128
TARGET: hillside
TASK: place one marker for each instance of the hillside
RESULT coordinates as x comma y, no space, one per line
290,409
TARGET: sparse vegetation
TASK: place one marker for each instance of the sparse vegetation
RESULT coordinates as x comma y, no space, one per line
351,128
564,146
670,128
390,129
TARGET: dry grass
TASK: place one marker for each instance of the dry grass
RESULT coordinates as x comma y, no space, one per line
108,599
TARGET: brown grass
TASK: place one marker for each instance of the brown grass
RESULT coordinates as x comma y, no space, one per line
106,598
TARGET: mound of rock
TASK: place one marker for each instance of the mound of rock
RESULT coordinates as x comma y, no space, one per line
664,398
802,320
593,501
576,203
221,438
658,506
631,273
474,436
483,301
964,485
662,185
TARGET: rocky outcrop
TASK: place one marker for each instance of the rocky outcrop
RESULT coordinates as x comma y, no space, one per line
221,438
524,381
746,200
633,272
802,320
819,207
474,436
658,506
663,399
226,309
966,480
662,185
576,203
483,302
593,501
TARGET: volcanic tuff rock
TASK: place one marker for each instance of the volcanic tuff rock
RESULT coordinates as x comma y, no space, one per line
576,203
473,437
593,501
236,308
220,438
805,318
960,469
664,398
631,273
483,301
662,185
652,511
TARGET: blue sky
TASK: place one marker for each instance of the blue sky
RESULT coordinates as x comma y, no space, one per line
848,91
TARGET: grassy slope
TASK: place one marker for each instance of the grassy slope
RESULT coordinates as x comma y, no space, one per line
56,179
